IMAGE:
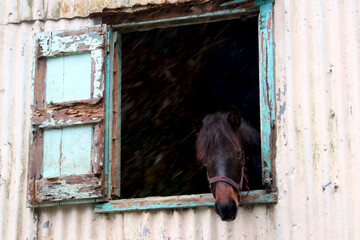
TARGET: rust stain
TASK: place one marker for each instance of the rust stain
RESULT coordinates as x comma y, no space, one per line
269,26
163,10
81,32
63,113
65,9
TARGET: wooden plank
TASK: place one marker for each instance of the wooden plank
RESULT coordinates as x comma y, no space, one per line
77,77
168,14
119,120
108,126
178,202
68,187
254,2
39,83
65,42
214,16
67,151
36,135
52,153
116,105
68,114
68,78
35,153
97,73
267,99
67,91
54,80
98,149
76,150
64,202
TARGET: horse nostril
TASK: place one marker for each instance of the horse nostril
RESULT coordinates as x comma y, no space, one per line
226,211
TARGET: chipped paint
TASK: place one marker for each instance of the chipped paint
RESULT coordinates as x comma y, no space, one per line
308,35
267,101
97,59
53,43
195,17
68,187
69,112
256,2
46,224
185,201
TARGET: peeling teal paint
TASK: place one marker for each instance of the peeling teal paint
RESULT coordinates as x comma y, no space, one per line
267,98
74,62
108,207
261,2
68,78
97,58
256,2
108,107
265,198
67,151
179,202
50,123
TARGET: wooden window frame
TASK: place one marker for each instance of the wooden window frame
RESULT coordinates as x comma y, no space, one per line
264,9
75,188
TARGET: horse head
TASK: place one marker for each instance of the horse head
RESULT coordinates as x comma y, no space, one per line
219,148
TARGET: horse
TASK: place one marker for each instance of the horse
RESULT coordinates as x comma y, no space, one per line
226,145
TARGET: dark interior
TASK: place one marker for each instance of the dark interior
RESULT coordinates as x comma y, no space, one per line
171,78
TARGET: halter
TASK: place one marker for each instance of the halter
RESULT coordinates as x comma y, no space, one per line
237,186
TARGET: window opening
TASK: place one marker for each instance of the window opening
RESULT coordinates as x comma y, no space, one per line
171,78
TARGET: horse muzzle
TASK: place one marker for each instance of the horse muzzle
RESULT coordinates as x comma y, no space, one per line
227,211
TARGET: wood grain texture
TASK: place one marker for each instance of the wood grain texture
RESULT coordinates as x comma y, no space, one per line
68,114
64,107
116,153
67,42
68,187
176,202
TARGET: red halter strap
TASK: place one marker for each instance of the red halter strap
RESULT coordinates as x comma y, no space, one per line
232,183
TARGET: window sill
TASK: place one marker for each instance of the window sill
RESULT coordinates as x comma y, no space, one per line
178,202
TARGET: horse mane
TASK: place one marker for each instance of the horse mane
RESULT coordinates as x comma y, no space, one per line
216,133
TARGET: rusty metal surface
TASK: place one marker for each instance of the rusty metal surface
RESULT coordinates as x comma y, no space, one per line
14,11
17,221
318,137
15,72
317,93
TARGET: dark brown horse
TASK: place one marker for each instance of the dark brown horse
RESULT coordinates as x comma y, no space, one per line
225,144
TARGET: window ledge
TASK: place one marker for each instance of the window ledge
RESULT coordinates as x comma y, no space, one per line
177,202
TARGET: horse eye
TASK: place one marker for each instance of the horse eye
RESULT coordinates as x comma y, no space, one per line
239,154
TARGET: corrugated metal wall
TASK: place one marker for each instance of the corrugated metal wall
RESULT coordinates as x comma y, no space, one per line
16,11
15,69
317,55
317,77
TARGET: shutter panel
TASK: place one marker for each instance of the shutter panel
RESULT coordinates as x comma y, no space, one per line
66,158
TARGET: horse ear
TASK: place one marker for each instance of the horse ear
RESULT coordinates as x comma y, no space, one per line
234,119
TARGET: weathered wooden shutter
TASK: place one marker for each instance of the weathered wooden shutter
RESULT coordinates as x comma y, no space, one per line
66,158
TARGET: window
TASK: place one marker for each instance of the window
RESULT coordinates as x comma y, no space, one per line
66,158
77,137
171,78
